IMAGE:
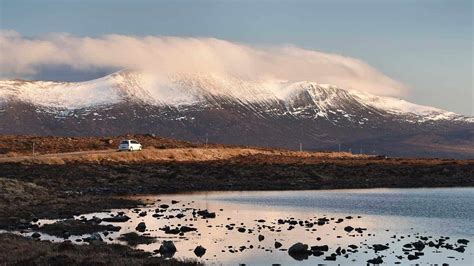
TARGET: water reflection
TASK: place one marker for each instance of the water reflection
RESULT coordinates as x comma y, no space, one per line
247,226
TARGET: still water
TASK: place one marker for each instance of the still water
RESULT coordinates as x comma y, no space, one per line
391,217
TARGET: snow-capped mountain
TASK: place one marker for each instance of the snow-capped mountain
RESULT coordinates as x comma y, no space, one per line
230,110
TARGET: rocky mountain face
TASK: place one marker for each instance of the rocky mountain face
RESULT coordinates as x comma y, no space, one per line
234,111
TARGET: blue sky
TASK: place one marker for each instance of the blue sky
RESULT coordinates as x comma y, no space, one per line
426,44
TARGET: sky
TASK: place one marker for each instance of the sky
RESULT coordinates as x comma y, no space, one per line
426,45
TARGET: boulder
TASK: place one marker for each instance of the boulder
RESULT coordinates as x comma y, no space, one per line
167,249
377,260
141,227
348,229
199,251
379,247
299,251
277,244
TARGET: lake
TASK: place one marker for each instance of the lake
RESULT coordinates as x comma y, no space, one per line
388,217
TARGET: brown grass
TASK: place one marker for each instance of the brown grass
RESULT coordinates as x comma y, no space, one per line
16,250
177,155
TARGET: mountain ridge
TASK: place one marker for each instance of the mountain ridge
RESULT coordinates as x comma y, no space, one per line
234,111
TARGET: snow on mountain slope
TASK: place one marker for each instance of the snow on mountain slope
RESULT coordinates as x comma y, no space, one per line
182,90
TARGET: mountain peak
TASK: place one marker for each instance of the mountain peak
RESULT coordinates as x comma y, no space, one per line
200,89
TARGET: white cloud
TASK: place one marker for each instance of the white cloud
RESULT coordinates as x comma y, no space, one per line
20,56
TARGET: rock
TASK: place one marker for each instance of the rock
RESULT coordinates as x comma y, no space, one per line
116,219
323,248
206,214
418,245
317,253
142,214
299,251
186,229
95,238
412,257
348,229
35,235
277,244
331,258
172,231
261,238
377,260
353,246
174,201
199,251
379,247
241,230
460,249
141,227
164,206
463,241
167,249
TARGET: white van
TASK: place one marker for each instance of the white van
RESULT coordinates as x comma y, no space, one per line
129,145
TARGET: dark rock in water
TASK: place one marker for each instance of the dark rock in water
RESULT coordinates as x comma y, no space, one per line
206,214
174,201
379,247
353,246
463,241
331,258
412,257
338,251
277,244
35,235
169,230
348,229
95,238
142,214
261,238
186,229
141,227
317,253
95,220
360,230
199,251
167,249
164,206
418,245
134,239
299,251
320,248
460,249
116,219
241,229
377,260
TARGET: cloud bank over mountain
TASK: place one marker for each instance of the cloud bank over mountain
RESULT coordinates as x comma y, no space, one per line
23,57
